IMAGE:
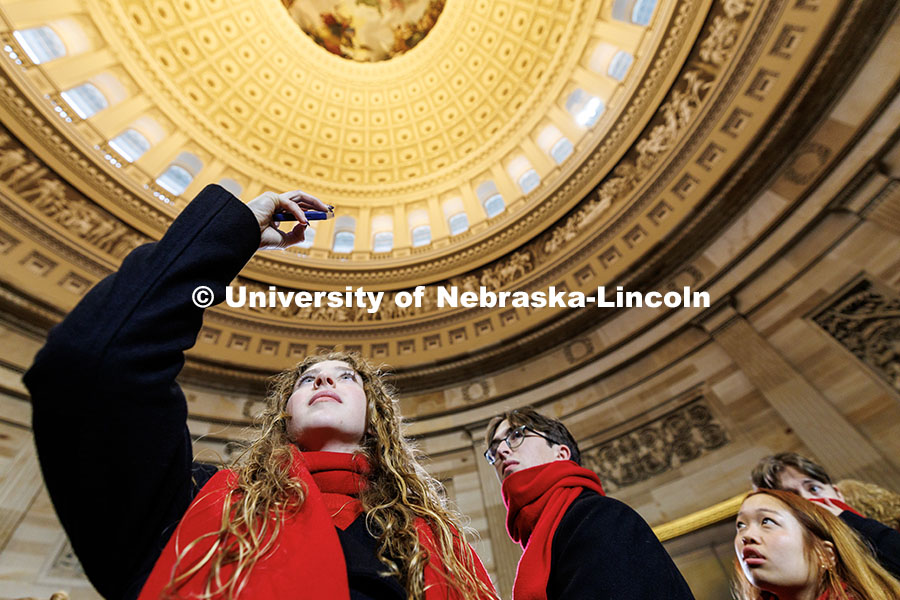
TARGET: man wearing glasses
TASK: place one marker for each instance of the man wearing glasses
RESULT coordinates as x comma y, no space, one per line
578,544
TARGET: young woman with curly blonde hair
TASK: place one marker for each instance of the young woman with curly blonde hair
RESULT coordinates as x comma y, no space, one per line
329,501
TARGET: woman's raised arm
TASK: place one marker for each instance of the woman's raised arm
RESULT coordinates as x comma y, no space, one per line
109,418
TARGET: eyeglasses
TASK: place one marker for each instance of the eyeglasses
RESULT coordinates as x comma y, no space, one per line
513,439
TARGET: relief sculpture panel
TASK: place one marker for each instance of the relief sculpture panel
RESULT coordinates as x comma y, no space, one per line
865,319
653,448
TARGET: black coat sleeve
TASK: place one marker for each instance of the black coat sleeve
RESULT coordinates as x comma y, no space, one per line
109,419
884,540
603,550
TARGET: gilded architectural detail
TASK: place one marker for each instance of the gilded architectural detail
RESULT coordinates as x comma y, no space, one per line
478,391
50,196
723,32
496,276
578,350
808,163
866,321
656,447
667,106
676,116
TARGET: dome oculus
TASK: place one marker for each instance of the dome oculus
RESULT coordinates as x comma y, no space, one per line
365,30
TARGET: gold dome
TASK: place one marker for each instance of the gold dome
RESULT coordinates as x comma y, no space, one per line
521,144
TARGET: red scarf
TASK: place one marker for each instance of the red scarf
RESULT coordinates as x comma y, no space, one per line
536,500
340,480
307,561
838,503
826,595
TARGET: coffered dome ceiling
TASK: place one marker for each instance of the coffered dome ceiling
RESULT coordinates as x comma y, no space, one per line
512,144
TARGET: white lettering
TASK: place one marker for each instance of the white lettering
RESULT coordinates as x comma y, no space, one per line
447,296
602,302
556,298
229,296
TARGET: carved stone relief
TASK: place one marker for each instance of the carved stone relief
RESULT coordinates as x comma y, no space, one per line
50,196
865,320
661,445
496,276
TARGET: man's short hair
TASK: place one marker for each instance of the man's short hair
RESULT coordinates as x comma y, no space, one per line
529,417
767,472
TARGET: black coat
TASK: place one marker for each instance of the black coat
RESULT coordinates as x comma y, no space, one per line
110,422
603,550
881,538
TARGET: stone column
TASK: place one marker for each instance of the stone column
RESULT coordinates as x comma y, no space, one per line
19,486
506,553
833,440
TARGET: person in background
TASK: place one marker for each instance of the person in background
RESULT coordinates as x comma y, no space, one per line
329,501
792,472
791,549
578,543
873,501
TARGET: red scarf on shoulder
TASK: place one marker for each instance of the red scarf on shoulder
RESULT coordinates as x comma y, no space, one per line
536,500
307,561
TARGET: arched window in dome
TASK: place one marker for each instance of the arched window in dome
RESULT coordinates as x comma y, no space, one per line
490,198
382,228
344,235
383,241
180,173
41,44
234,187
561,150
458,223
619,65
86,100
521,171
150,128
419,226
175,179
553,142
638,12
607,59
130,144
343,242
455,214
421,235
584,108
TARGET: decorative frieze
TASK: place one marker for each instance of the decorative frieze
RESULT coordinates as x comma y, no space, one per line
661,445
865,319
52,198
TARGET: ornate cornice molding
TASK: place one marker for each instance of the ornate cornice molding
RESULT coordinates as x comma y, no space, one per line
702,99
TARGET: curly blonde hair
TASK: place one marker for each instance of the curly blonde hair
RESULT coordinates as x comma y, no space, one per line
399,493
856,575
873,501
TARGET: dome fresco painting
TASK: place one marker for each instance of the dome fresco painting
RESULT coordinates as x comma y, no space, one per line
365,30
